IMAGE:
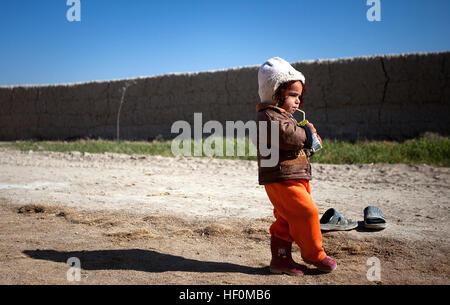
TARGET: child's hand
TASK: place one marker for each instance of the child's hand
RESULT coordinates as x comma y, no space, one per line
311,127
314,131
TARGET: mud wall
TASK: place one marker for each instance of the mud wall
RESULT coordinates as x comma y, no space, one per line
379,97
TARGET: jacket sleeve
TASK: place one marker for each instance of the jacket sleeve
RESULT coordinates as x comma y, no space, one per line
291,136
309,140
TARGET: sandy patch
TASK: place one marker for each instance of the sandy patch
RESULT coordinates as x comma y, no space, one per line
150,219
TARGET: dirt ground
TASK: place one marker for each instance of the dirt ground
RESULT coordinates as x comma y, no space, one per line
157,220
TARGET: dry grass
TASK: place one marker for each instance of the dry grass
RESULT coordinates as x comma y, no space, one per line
132,235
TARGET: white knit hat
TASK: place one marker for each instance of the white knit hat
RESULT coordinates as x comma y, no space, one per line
272,74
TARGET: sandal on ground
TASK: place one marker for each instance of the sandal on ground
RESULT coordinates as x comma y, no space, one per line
374,218
332,220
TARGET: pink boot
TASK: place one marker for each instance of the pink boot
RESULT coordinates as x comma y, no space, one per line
282,261
326,265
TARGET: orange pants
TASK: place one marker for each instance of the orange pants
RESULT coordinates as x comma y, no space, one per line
297,217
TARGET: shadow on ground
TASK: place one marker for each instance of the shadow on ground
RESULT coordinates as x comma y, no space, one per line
140,260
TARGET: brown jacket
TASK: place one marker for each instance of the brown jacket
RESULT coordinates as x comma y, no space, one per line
293,144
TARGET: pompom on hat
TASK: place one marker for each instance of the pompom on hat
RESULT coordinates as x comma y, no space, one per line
272,74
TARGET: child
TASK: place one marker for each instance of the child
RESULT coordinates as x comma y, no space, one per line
281,89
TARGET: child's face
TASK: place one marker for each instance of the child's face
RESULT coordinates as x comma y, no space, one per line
292,96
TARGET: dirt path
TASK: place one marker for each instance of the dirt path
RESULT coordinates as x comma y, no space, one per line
156,220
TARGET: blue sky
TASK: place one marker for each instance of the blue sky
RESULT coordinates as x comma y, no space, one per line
118,39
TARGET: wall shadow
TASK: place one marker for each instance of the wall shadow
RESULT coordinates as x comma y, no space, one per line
140,260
